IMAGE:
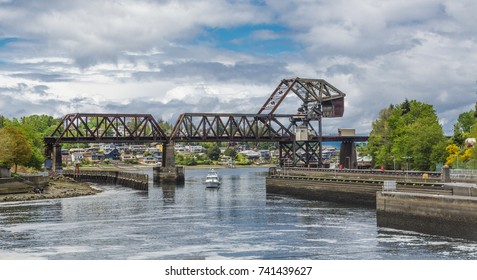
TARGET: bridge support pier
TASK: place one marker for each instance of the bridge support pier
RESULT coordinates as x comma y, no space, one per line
57,159
53,161
168,172
348,157
48,154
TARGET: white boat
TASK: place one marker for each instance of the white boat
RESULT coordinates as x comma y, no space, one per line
212,180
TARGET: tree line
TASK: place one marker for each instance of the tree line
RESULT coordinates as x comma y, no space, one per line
409,136
21,140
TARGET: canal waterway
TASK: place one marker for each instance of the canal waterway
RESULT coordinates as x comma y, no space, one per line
238,221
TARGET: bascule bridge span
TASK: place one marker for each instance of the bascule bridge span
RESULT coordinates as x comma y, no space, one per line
298,135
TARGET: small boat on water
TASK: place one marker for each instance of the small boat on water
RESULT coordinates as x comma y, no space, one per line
212,180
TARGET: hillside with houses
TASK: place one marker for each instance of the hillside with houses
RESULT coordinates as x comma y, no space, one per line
226,154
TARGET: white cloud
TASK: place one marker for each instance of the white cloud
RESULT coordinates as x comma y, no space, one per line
92,31
135,56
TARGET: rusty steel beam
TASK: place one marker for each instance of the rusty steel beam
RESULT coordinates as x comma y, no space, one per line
316,94
197,127
107,128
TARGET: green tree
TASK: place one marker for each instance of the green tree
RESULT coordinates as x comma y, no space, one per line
213,152
14,147
463,126
189,159
42,124
2,121
35,128
408,133
379,139
230,152
242,159
165,126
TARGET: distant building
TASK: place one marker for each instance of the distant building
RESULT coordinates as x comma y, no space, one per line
66,159
108,147
265,154
128,157
139,149
346,131
122,147
364,162
95,157
149,160
179,148
194,149
77,157
92,150
251,154
76,150
113,154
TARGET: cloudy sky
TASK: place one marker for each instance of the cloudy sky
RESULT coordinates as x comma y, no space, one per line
168,57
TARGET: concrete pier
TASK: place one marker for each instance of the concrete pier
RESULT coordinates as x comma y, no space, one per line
168,174
361,192
447,209
447,215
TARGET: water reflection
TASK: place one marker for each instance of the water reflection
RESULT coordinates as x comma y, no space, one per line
25,212
189,221
168,192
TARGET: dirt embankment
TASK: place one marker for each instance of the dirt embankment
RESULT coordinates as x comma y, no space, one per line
59,187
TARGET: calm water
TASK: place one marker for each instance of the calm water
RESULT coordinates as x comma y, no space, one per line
238,221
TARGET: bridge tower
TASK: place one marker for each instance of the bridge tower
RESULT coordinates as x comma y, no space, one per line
319,99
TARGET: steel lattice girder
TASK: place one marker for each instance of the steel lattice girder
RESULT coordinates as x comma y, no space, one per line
193,127
314,93
300,153
87,128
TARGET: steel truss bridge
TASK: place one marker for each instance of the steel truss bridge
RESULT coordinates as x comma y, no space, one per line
299,135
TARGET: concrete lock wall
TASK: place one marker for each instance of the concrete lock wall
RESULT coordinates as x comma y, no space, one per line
447,215
343,190
359,193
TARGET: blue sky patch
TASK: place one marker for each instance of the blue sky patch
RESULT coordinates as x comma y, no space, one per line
6,41
255,39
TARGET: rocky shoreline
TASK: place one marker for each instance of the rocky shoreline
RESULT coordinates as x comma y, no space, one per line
58,187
